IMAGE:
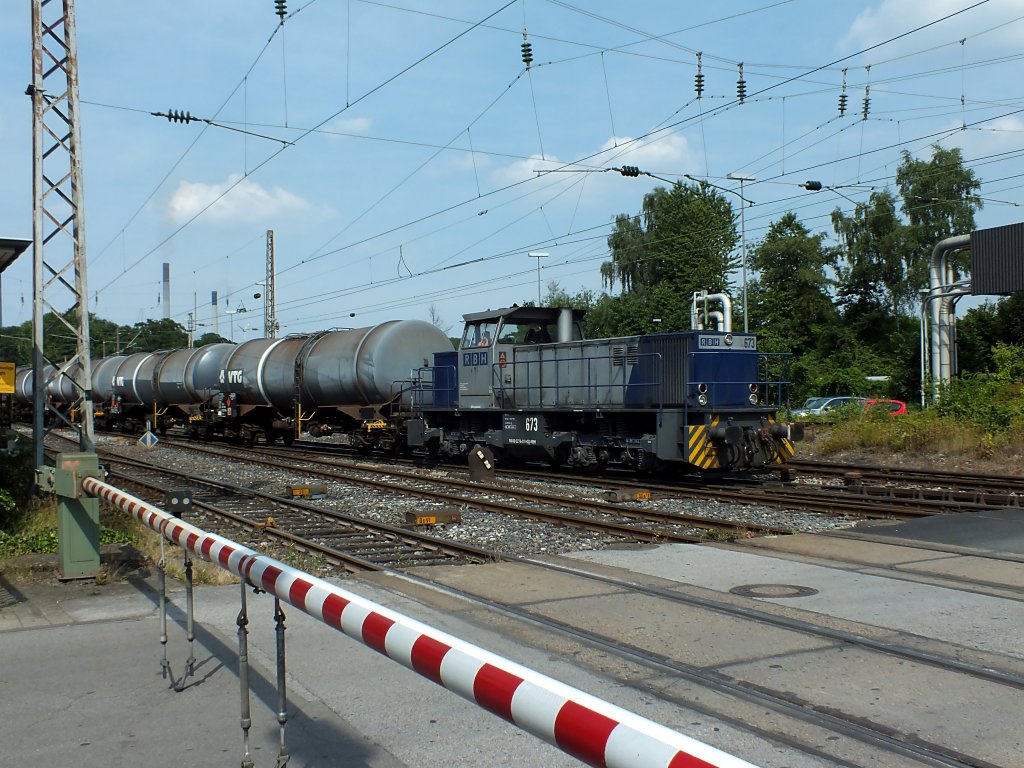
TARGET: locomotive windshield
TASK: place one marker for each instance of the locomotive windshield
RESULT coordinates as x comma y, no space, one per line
479,334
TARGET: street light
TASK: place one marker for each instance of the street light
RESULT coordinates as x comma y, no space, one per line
232,313
538,255
743,238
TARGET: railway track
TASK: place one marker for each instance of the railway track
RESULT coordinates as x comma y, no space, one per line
858,498
635,523
351,543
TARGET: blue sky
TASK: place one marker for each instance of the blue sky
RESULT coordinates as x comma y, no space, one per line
419,186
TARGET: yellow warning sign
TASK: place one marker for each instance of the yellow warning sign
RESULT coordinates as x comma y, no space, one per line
6,378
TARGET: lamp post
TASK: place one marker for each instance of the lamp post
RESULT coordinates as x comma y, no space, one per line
743,239
538,255
232,313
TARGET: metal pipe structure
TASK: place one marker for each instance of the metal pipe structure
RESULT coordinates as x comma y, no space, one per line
699,311
583,726
940,281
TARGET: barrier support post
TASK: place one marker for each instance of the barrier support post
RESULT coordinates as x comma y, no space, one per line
190,635
282,697
243,676
78,516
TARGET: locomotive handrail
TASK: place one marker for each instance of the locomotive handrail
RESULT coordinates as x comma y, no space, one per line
594,731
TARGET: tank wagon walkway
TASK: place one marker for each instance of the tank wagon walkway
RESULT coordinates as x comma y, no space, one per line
80,682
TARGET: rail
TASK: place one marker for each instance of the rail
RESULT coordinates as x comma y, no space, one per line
589,729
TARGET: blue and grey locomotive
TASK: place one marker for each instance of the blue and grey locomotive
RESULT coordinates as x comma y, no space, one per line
527,384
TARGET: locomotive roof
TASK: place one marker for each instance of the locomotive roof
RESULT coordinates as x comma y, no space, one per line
523,314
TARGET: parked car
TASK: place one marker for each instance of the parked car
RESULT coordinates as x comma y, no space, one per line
892,407
816,406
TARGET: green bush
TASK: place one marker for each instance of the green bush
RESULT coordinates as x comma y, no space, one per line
17,479
46,541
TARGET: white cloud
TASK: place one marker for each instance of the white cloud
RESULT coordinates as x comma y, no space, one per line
892,17
246,201
668,154
520,170
351,125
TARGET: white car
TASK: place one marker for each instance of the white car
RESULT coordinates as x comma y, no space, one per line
816,406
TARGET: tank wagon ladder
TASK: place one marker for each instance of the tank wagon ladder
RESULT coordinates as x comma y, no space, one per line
300,370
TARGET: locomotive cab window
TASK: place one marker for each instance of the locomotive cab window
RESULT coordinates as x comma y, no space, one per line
528,333
480,334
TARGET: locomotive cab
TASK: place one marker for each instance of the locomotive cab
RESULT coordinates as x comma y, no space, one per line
486,375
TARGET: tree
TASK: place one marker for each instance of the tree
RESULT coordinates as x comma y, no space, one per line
870,263
790,298
684,238
939,201
153,335
435,319
680,243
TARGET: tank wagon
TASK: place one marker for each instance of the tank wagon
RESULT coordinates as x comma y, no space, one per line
523,382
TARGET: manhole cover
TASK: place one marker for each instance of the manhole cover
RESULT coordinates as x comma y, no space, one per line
773,590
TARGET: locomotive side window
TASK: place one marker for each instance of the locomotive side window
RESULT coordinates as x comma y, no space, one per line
528,333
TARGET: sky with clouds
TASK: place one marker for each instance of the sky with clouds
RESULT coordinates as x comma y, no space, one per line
406,158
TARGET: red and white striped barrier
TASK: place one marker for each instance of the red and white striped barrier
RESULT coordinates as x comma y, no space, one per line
589,729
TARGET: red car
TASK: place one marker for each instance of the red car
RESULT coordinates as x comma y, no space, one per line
892,407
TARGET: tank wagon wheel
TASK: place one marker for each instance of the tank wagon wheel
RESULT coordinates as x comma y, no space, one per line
314,430
161,428
287,438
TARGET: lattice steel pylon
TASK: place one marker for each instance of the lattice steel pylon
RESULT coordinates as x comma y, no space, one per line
270,298
59,269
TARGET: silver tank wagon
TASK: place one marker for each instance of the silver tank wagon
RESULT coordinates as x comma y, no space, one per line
359,367
190,376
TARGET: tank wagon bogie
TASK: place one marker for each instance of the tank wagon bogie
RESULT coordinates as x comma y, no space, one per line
523,382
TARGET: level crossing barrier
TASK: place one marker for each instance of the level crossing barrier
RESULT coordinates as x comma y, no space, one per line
594,731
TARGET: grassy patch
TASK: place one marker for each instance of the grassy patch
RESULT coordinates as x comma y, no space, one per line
36,532
925,432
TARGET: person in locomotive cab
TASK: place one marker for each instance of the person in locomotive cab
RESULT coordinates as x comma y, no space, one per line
485,340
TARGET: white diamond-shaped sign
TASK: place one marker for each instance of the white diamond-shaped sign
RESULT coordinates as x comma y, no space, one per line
148,440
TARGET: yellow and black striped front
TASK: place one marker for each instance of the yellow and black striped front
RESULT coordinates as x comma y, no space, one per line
784,448
700,451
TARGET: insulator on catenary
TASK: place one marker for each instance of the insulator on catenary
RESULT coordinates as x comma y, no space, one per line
741,86
280,8
174,116
527,49
629,170
842,96
867,101
813,186
698,80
